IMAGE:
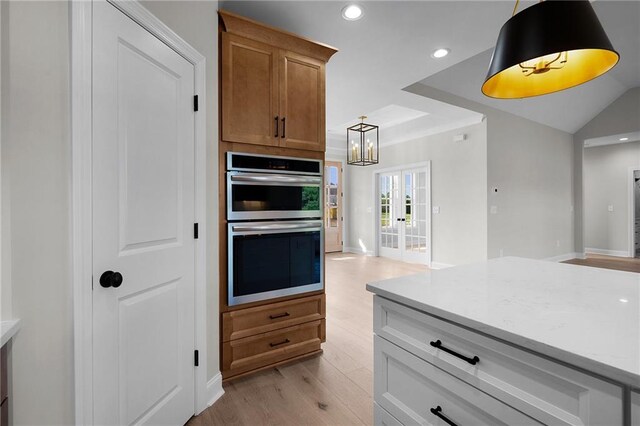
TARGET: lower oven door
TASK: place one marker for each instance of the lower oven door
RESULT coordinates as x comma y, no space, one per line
274,259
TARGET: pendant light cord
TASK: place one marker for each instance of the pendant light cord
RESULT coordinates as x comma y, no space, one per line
515,8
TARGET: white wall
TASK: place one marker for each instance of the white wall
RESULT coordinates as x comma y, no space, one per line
5,199
36,172
458,182
606,182
532,166
36,156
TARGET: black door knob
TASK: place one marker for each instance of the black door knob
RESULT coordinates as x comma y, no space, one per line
111,279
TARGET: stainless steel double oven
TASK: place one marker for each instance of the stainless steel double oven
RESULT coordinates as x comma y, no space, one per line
275,232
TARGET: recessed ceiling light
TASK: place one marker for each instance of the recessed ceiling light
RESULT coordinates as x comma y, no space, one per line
352,12
624,139
440,53
624,300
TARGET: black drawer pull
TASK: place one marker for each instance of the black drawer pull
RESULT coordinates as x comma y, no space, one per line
438,344
285,314
277,125
273,345
283,126
438,413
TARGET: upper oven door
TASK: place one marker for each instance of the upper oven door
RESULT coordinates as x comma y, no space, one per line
273,196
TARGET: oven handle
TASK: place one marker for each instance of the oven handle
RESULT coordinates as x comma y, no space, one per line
264,178
277,227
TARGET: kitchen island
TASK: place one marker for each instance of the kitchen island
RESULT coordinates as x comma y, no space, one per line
508,341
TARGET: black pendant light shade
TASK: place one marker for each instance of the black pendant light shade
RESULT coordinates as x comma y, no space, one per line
550,46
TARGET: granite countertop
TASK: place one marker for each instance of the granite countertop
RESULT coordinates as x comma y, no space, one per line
8,330
586,317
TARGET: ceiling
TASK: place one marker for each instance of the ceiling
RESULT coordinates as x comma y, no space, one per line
389,49
570,109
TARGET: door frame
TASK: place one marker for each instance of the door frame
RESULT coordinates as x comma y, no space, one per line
632,211
81,189
376,203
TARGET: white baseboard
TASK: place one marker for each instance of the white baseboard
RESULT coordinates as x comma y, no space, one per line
358,250
566,256
616,253
214,389
438,265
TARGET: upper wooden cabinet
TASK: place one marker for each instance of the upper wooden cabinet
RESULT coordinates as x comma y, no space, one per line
272,85
249,91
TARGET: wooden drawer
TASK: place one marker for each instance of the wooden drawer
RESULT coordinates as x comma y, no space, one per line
635,408
540,388
382,418
408,388
261,319
250,353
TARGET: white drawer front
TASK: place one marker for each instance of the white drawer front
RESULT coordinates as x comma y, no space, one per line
382,418
635,408
410,388
544,390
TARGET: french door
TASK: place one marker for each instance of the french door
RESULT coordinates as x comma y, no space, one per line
404,219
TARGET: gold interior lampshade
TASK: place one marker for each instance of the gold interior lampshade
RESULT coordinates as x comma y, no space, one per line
548,47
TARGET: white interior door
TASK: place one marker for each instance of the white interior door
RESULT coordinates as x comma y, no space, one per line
404,215
143,213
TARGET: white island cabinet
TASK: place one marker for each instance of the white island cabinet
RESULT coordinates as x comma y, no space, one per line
508,342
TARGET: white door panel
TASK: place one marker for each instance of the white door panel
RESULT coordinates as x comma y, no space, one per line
143,213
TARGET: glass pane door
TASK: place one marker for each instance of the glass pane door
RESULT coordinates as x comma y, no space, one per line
390,219
416,215
333,206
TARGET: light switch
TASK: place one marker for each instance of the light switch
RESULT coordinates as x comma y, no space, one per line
494,210
436,209
610,207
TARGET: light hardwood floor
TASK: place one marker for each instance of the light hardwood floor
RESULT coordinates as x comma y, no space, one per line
334,388
608,262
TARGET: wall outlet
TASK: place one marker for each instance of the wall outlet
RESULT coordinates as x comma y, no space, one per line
494,210
369,210
501,252
436,209
610,207
558,243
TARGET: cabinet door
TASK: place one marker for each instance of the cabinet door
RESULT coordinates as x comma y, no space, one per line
249,91
302,102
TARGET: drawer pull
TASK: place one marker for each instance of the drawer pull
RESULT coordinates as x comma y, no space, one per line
438,344
438,413
273,345
285,314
